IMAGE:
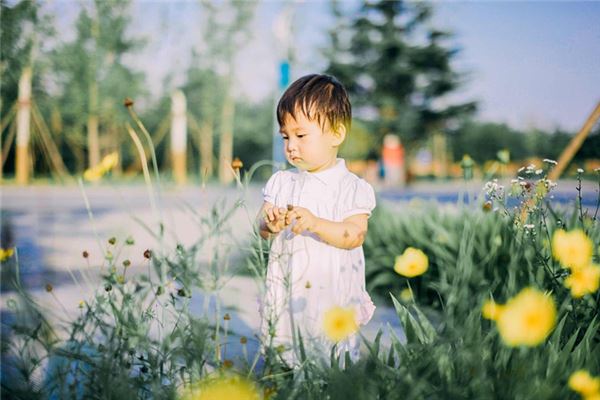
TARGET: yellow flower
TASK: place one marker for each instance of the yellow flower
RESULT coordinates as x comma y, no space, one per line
226,387
339,323
411,263
527,319
583,280
491,310
406,295
572,249
6,254
583,383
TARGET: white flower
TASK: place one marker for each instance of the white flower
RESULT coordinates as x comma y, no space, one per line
597,169
539,171
523,183
579,171
549,161
528,226
521,169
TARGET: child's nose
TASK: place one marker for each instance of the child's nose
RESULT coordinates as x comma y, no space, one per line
291,145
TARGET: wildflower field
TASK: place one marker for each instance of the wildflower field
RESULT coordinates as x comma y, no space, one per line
497,297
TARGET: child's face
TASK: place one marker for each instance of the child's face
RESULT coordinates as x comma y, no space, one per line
307,146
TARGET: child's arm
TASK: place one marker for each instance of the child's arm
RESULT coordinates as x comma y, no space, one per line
348,234
271,220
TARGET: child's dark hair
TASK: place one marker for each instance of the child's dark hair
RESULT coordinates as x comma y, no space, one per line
320,97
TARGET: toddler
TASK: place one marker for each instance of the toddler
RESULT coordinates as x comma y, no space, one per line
317,216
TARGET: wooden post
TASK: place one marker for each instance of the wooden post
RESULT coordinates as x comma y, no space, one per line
574,145
22,162
179,137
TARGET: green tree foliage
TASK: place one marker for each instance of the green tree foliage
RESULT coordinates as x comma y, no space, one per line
482,140
396,67
91,74
23,42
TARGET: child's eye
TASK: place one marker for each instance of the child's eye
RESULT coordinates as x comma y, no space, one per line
300,136
284,137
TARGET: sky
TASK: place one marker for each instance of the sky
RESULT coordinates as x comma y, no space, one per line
529,64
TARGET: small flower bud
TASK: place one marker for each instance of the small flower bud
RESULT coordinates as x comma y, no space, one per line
487,206
308,285
226,317
112,240
48,287
129,241
227,364
126,263
148,254
243,340
128,102
108,287
160,290
237,164
85,254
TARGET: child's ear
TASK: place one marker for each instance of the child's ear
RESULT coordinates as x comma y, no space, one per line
339,135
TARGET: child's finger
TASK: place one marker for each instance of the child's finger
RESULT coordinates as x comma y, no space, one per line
290,216
270,214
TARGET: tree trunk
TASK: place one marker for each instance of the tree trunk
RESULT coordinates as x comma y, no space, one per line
206,148
23,165
179,137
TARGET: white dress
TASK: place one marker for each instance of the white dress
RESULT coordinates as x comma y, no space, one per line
305,276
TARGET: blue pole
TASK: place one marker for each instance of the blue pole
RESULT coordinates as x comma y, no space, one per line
284,81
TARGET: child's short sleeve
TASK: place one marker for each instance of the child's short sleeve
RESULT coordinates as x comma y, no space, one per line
272,187
359,199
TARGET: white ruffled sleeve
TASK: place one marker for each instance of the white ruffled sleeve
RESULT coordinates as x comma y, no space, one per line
272,187
359,199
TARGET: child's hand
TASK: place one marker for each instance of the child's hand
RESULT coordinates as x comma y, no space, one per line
275,219
305,220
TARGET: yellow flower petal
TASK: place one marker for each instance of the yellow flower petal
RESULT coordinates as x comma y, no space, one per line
582,382
228,387
583,280
572,249
491,310
339,323
527,319
413,262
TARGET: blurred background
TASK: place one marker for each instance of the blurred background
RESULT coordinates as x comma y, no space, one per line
505,83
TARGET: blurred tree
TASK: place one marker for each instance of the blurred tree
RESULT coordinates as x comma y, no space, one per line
482,140
397,69
204,97
24,37
254,131
226,30
93,79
